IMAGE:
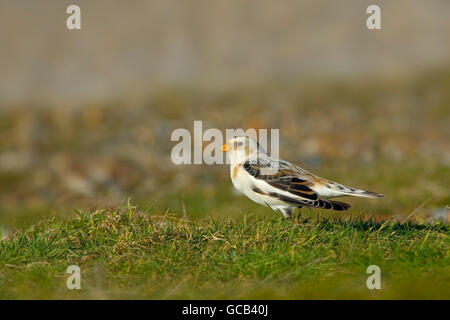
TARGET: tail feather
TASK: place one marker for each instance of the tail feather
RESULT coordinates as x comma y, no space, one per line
341,190
370,194
363,193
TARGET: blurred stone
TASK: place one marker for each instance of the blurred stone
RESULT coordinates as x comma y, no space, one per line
441,214
5,232
14,160
78,184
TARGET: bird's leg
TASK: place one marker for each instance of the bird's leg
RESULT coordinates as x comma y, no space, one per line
299,216
286,212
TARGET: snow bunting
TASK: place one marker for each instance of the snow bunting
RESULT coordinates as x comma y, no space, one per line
279,184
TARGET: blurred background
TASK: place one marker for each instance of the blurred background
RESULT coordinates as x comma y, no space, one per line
86,115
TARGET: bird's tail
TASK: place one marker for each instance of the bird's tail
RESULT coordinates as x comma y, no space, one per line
363,193
370,194
342,190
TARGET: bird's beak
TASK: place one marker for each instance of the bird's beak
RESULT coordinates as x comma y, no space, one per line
225,147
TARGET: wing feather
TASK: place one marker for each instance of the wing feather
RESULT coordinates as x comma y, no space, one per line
287,178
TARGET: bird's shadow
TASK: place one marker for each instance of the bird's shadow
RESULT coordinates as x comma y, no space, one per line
369,223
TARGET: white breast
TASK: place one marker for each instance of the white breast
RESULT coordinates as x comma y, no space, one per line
244,182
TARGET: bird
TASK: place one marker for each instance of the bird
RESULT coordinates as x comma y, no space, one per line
281,185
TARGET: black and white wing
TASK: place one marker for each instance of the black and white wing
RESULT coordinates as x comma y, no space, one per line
294,186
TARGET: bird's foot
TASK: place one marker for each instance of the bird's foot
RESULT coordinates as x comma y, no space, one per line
287,212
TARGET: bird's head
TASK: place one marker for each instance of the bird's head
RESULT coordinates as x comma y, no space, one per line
242,149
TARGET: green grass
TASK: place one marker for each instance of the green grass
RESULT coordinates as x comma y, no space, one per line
127,253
